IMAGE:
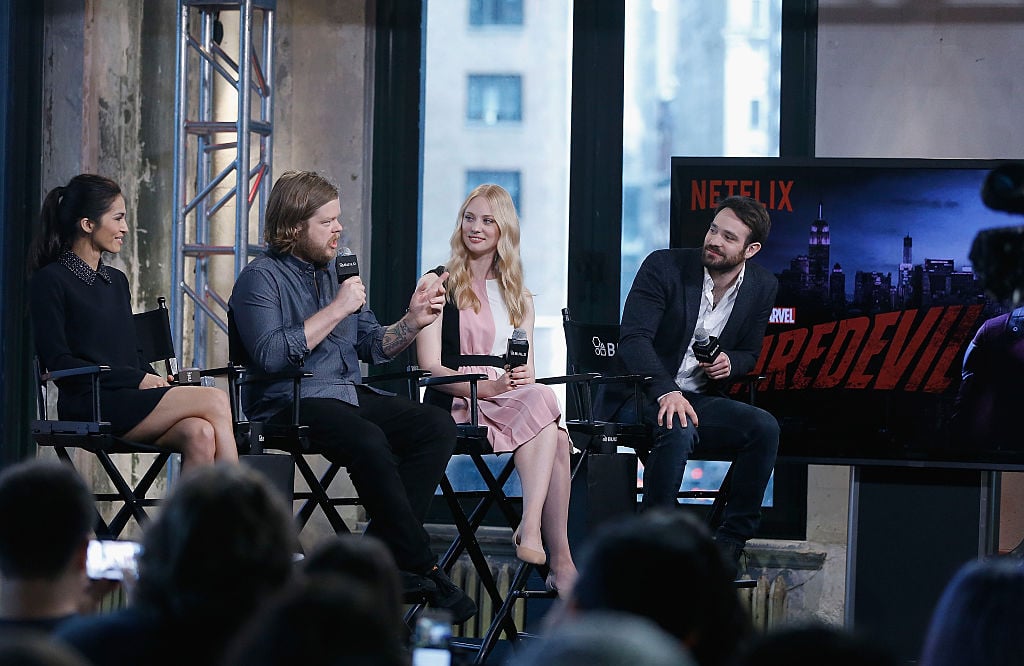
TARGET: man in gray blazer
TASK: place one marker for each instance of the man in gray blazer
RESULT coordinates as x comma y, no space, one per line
713,289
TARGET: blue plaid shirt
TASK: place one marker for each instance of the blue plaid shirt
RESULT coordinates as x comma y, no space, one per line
271,300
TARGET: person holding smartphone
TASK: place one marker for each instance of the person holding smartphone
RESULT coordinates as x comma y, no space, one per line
48,513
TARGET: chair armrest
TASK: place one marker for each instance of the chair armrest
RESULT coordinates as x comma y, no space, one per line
93,372
452,379
278,376
746,379
220,372
569,379
74,372
736,384
411,373
456,379
622,379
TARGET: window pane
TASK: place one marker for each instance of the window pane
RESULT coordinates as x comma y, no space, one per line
507,179
496,12
496,109
494,98
701,79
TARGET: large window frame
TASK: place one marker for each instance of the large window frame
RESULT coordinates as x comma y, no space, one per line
21,60
595,172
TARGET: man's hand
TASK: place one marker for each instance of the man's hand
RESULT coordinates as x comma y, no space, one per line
351,296
674,404
93,593
720,369
152,381
427,301
424,308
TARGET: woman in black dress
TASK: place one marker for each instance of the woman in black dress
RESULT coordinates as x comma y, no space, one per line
81,312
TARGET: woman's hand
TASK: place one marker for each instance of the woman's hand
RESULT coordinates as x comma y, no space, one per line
492,387
519,375
152,381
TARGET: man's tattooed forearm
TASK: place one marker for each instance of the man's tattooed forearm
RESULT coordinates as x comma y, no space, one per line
397,337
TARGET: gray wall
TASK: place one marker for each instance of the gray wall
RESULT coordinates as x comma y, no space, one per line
920,78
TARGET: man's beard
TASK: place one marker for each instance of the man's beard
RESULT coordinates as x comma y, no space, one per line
318,255
719,262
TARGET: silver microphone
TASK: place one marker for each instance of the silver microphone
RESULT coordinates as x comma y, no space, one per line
705,346
518,349
346,264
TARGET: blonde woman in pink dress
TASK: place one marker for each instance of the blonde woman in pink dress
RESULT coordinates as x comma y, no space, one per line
486,302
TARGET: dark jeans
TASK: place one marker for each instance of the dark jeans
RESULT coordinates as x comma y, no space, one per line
732,429
396,451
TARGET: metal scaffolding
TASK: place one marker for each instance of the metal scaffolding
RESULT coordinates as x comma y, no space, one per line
209,149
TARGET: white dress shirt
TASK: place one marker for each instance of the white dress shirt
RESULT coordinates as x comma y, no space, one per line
712,318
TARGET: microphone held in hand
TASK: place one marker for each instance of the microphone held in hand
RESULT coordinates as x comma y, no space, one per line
705,346
346,264
518,349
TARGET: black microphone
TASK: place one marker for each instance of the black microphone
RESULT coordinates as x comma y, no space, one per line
518,349
705,346
346,264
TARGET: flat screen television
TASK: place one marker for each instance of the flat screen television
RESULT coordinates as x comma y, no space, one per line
877,306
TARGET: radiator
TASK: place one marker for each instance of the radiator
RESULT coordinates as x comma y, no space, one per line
465,576
766,602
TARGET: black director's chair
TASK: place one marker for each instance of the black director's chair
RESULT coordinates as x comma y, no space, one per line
591,349
153,332
292,437
472,442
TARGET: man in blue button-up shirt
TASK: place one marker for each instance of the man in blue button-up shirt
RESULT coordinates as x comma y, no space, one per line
290,312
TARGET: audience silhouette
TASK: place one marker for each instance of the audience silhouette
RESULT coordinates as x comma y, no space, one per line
979,620
323,619
812,645
221,545
605,639
48,516
665,566
33,648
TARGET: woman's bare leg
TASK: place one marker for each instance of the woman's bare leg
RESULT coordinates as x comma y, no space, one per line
534,460
185,405
555,519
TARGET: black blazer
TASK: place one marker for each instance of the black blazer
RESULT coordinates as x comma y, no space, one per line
661,313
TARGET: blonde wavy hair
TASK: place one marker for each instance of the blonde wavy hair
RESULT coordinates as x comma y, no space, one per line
508,267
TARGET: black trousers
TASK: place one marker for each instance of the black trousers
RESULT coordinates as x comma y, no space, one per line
396,451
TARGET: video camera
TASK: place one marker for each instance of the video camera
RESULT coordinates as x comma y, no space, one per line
997,255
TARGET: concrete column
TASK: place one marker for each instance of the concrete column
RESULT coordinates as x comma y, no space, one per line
321,111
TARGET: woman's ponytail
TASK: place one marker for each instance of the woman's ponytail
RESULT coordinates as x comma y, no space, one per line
86,195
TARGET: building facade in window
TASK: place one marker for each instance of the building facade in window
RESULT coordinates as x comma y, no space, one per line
507,179
494,98
495,12
496,109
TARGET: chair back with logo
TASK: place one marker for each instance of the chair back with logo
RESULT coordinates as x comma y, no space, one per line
592,349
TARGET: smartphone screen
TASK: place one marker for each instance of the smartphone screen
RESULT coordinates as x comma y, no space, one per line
432,638
110,559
